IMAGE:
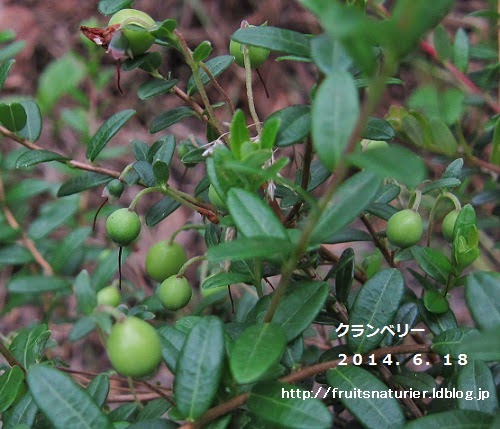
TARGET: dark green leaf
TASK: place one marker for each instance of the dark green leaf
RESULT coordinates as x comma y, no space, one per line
109,7
454,419
454,169
374,412
393,161
295,124
216,66
29,344
82,182
15,255
153,409
141,150
483,346
442,43
10,382
86,298
275,39
344,274
155,87
415,380
433,262
63,401
199,368
376,305
13,116
169,118
352,197
495,150
106,132
202,51
4,71
252,216
22,415
299,308
476,379
33,157
441,184
378,129
82,327
53,215
437,323
334,112
248,248
160,210
256,351
67,247
449,342
37,284
145,172
107,267
98,389
172,341
154,424
225,279
149,62
347,235
162,150
33,127
329,54
482,293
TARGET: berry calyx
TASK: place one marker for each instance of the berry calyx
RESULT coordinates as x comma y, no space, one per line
404,228
139,40
164,259
449,224
108,295
133,347
123,226
175,292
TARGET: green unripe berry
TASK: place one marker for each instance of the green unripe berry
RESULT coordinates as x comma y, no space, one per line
134,347
123,226
449,224
108,295
257,55
115,188
139,40
404,228
174,293
215,198
164,260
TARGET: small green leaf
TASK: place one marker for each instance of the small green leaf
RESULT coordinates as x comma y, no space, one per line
155,87
153,410
109,7
29,344
149,62
274,39
454,419
86,298
216,66
33,157
172,340
495,149
476,379
4,71
335,110
449,342
98,389
269,133
374,412
252,216
63,401
202,51
169,118
239,133
350,200
145,171
441,184
378,129
22,415
461,50
13,116
442,43
10,382
106,132
482,294
82,182
33,127
199,368
443,139
15,255
287,406
295,124
433,262
375,307
344,274
256,351
160,210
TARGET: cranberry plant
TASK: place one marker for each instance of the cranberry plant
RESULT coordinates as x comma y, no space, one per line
319,277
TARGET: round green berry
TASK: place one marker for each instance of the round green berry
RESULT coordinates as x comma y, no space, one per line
404,228
134,347
448,224
123,226
174,293
257,55
139,40
108,295
164,259
115,188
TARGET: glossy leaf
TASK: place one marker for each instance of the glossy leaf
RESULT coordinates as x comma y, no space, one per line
482,293
33,157
350,200
267,401
295,124
199,368
160,210
442,184
216,66
12,116
145,171
81,183
274,39
248,248
373,413
375,307
169,118
335,110
378,129
63,401
256,351
252,216
155,87
37,284
299,308
453,419
29,344
476,378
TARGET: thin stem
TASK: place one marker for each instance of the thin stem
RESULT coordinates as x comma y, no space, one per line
191,261
132,389
143,192
248,82
376,239
217,86
187,227
431,220
454,199
9,357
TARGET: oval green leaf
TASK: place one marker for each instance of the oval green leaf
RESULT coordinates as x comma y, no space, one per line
482,293
476,380
33,157
13,116
81,183
295,124
169,118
